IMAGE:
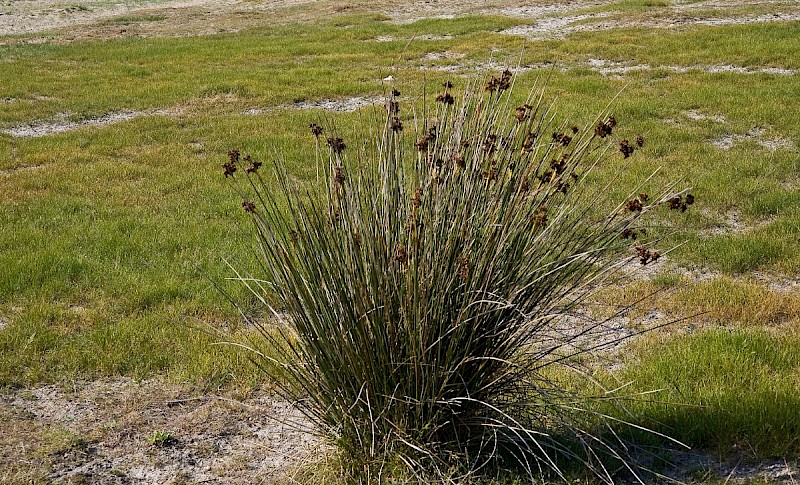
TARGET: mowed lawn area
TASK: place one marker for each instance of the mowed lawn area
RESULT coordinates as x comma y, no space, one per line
116,223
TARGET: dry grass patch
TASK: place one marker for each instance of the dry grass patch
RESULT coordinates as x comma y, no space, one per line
721,300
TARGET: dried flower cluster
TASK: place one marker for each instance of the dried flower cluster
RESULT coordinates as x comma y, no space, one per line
646,255
501,83
336,144
681,203
605,127
445,98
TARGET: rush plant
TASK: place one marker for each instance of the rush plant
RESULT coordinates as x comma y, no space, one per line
421,288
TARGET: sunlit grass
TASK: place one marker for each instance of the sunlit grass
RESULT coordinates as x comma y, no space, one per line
117,219
734,392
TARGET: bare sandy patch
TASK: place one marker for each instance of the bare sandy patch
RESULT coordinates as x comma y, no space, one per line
553,27
690,5
340,105
616,68
438,56
560,25
732,223
61,21
30,16
62,123
124,431
756,134
699,116
605,67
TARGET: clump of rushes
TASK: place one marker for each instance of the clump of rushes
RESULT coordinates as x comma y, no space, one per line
419,284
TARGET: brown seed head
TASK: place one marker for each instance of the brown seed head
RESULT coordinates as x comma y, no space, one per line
316,130
463,268
489,143
249,206
539,218
527,143
605,127
558,166
422,143
645,255
416,200
228,168
521,113
505,80
491,174
338,175
233,156
634,205
625,148
546,176
396,125
639,141
445,98
562,139
254,166
400,254
677,203
337,145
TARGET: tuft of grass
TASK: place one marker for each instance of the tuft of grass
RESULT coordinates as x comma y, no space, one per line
419,284
161,439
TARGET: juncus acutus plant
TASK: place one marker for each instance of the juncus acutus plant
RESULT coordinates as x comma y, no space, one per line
414,288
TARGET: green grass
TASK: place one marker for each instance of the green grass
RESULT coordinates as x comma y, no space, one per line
156,198
108,244
730,392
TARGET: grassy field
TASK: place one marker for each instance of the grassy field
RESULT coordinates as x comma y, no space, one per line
113,235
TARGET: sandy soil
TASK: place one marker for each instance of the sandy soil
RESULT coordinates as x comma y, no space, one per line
29,16
128,432
123,431
65,21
